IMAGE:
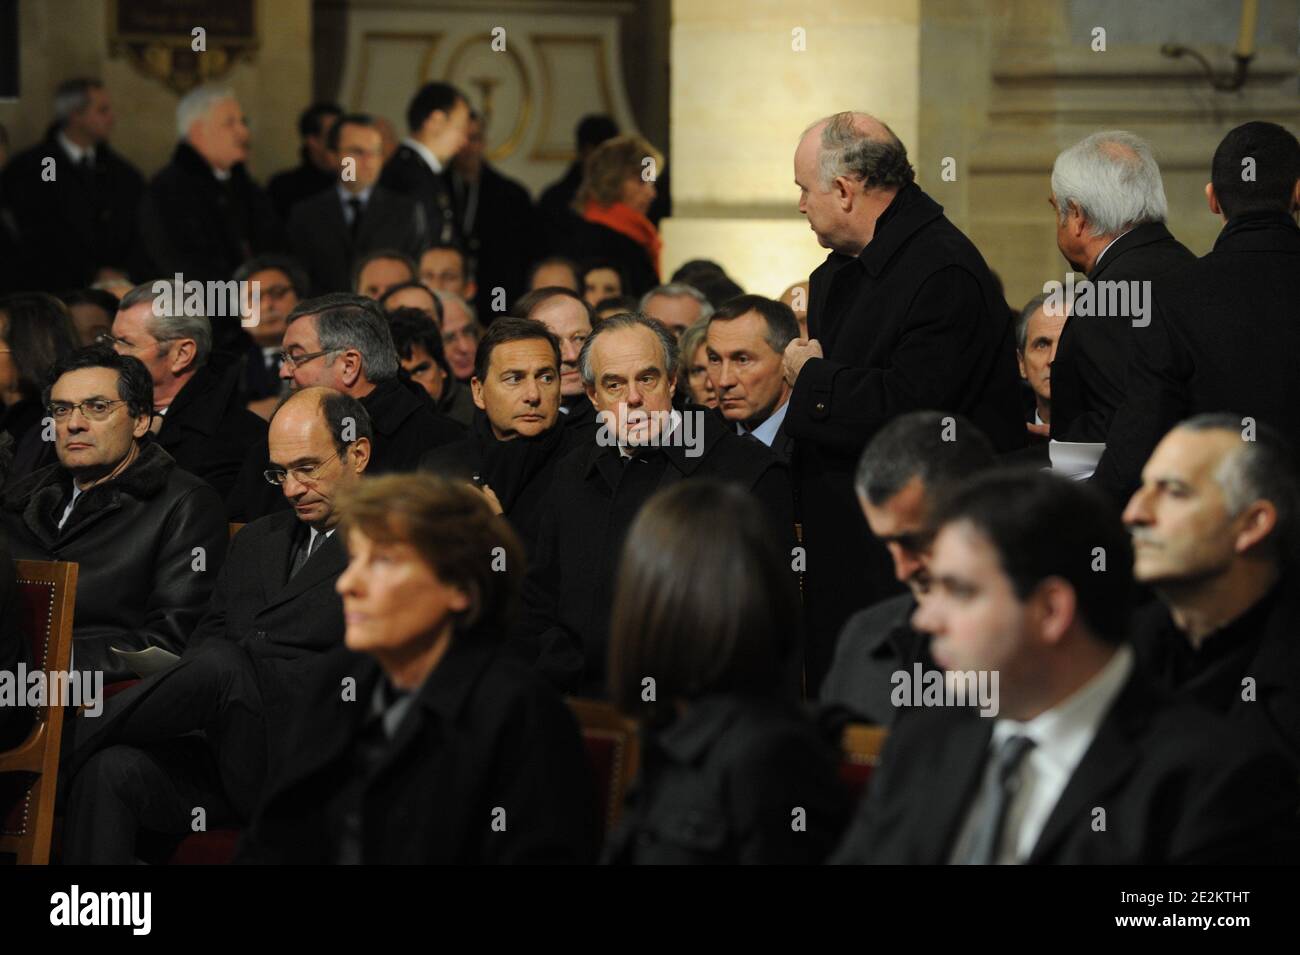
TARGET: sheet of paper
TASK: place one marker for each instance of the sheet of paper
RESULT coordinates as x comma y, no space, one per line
1075,459
148,661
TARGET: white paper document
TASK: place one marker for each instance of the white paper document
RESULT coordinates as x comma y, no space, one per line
1075,459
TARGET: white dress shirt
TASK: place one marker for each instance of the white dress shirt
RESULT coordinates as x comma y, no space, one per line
67,511
766,432
1061,736
78,153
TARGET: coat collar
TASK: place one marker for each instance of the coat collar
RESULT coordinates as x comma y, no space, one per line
389,405
38,495
329,561
1145,234
187,159
200,405
1259,232
909,212
711,428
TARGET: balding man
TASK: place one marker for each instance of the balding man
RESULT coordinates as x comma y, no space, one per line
200,417
202,214
342,341
1213,528
904,315
570,319
1110,224
139,766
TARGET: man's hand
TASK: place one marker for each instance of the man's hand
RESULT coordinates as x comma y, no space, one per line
1042,430
492,500
796,353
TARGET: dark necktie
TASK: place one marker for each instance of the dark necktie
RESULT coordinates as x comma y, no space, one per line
355,205
304,554
999,788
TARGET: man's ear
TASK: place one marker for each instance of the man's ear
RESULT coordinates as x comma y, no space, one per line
1212,199
351,371
470,290
141,426
1258,521
186,350
843,187
476,390
360,452
1075,221
1057,608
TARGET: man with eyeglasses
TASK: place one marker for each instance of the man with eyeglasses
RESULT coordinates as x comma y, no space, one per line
273,616
342,341
199,414
149,537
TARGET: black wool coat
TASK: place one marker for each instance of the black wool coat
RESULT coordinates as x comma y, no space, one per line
323,242
914,322
1224,334
407,174
585,518
1093,352
142,580
207,429
487,767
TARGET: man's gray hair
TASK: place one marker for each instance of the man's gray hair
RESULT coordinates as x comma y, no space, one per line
1026,313
344,321
72,96
667,341
679,290
1263,468
451,298
845,150
168,321
1113,179
195,104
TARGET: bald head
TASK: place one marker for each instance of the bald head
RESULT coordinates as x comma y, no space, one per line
319,442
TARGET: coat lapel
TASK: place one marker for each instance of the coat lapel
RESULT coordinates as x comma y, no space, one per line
960,765
329,561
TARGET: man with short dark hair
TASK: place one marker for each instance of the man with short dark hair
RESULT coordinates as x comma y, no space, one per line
570,319
556,202
419,348
316,170
905,471
149,537
1071,756
905,315
1213,530
342,341
274,613
629,368
745,341
1190,360
280,284
446,269
514,445
74,199
376,272
354,215
200,418
438,120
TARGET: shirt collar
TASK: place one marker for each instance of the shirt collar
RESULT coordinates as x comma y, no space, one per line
766,432
424,153
72,149
1108,245
345,197
1063,733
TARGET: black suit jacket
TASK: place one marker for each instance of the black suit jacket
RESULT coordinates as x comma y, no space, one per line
586,515
320,237
292,186
1176,783
876,643
1223,337
589,241
207,429
73,224
407,174
484,740
195,224
505,236
1093,352
916,321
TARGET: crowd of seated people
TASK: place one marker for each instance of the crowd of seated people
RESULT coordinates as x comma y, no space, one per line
485,454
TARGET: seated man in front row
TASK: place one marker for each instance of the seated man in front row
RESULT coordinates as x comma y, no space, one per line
1074,757
149,537
273,614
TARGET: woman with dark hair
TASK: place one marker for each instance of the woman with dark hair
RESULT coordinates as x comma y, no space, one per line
618,186
36,331
704,634
423,741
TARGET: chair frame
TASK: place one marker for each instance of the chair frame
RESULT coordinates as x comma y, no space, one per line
603,719
861,744
39,753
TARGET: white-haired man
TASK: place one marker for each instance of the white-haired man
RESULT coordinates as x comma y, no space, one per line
202,214
1110,224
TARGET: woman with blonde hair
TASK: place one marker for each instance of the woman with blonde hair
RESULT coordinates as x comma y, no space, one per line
617,188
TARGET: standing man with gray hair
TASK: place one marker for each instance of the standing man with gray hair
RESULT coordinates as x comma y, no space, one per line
199,415
342,341
1110,224
903,315
202,213
1213,528
73,198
